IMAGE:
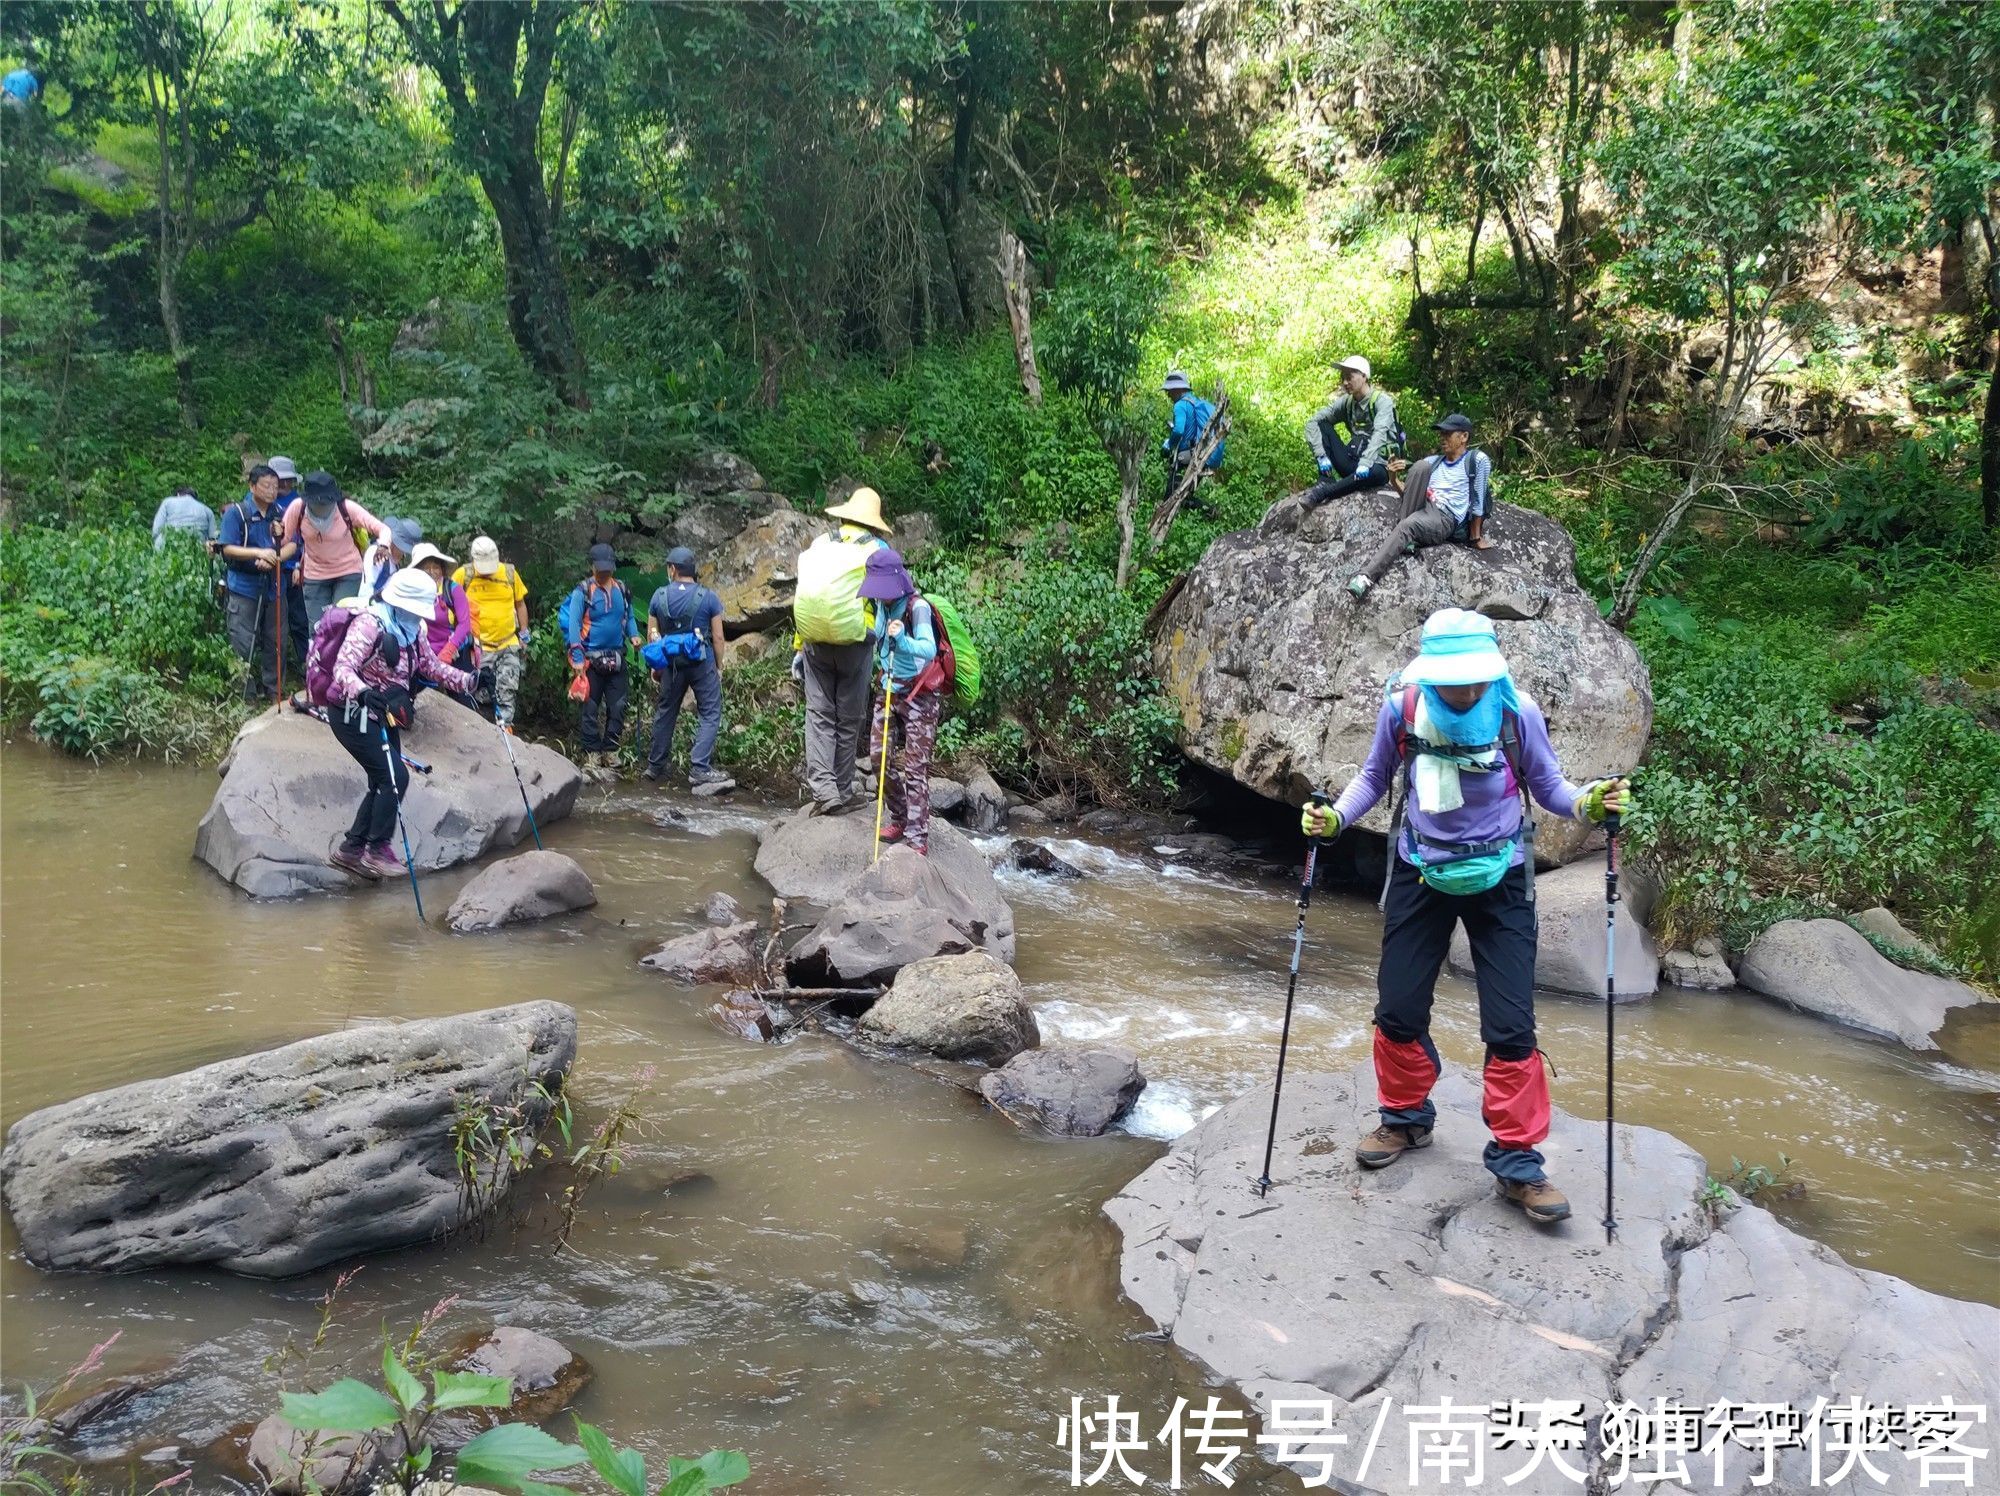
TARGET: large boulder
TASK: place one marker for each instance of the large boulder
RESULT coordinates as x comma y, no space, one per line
708,524
1569,938
962,1007
714,953
985,803
282,1161
1827,967
1279,674
820,859
528,886
289,792
905,908
1070,1090
718,472
1370,1292
755,573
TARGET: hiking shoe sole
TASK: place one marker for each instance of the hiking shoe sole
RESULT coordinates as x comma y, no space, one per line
1541,1215
354,862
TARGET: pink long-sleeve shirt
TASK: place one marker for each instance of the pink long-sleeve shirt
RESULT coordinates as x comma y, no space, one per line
360,666
447,640
332,554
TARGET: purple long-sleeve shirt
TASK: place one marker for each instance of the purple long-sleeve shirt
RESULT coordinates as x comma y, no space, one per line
1492,808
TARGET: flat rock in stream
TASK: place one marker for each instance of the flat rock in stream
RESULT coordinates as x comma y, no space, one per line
289,791
1417,1282
1827,967
281,1161
714,953
527,886
1068,1090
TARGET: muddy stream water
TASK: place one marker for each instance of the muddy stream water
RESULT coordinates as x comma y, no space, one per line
776,1304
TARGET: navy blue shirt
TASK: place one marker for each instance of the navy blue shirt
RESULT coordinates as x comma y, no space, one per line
687,607
243,524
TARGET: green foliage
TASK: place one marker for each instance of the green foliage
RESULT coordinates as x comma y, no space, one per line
1095,315
624,1470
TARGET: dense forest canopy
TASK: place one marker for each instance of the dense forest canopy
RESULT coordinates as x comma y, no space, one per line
1719,282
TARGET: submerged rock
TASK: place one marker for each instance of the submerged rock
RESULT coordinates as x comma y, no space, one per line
964,1007
1356,1288
527,886
1827,967
289,792
1034,857
1279,674
1071,1090
291,1462
721,910
1569,938
282,1161
716,953
547,1374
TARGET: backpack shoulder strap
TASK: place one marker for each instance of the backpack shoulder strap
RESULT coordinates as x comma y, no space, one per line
1409,698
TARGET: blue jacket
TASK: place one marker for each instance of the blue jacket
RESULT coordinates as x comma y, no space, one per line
1191,417
597,618
904,658
243,525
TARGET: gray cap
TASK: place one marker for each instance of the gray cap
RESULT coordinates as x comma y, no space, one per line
1175,381
603,558
404,534
680,558
1458,420
285,468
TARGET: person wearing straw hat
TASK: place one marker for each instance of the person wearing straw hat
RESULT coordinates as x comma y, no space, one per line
1363,459
831,625
1469,749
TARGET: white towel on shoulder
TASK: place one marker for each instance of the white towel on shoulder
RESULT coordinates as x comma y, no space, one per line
1434,779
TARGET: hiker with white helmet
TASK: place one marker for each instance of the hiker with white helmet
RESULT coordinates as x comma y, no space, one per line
1464,750
1191,415
384,650
1368,453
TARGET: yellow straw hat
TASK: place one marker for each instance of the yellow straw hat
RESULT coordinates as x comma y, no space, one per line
863,507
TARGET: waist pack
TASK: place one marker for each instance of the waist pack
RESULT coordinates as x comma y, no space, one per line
605,661
670,649
826,604
1453,867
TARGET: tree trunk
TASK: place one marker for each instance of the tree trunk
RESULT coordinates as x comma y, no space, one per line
1129,455
537,296
1013,263
1989,438
177,347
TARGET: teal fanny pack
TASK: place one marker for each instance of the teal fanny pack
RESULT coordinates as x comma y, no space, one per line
1462,870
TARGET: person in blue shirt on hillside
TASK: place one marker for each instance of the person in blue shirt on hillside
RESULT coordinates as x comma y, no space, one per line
1445,498
685,620
1191,415
259,559
598,625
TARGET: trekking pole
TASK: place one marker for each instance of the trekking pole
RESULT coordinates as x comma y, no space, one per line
1610,1008
278,640
416,763
882,766
409,862
508,738
1291,991
251,691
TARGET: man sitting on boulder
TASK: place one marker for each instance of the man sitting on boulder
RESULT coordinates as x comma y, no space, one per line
1445,498
1368,454
1469,749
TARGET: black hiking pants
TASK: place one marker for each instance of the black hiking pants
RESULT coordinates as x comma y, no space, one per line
1348,475
388,778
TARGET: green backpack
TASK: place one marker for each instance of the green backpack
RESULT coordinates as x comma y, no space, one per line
956,652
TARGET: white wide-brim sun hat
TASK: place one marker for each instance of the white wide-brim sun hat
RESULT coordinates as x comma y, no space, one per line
1459,648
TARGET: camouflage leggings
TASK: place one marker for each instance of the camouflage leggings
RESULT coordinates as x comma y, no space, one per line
909,790
508,665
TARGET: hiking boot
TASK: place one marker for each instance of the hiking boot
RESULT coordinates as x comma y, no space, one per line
1543,1202
650,774
353,860
382,857
892,834
1388,1143
1359,587
847,805
819,807
710,782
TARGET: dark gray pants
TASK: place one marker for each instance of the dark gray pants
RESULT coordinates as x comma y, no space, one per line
836,715
676,681
1422,524
251,635
324,594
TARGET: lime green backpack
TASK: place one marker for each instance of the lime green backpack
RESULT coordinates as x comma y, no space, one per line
826,604
956,652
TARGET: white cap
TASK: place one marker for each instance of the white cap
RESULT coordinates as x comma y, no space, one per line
485,556
425,551
1459,648
1358,364
413,592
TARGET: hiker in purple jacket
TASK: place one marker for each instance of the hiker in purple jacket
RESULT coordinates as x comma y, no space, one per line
1468,749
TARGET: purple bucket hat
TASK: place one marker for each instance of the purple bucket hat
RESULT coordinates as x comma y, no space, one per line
887,578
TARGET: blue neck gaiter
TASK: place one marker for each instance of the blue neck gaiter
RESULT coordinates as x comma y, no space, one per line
1478,725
